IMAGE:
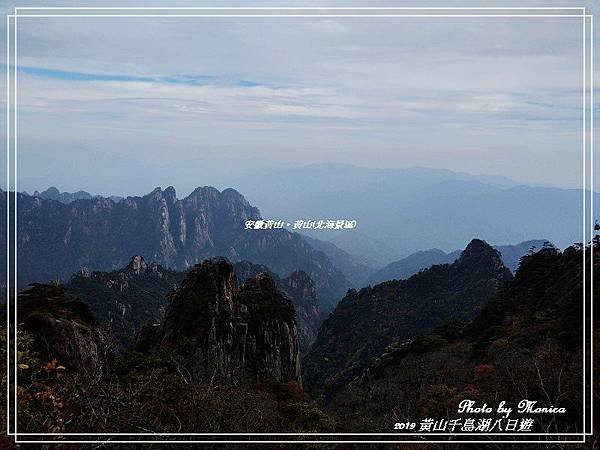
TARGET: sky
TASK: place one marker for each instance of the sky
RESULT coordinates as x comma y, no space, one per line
120,105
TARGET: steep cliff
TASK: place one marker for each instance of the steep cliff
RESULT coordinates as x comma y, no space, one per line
301,290
231,334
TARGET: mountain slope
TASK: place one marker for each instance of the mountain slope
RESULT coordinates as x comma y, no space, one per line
56,239
355,269
365,322
407,267
128,298
527,341
225,361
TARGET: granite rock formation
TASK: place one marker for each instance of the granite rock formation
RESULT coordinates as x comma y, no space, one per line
230,334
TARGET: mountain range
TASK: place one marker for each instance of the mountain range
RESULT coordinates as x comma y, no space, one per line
224,354
52,193
56,239
401,211
224,358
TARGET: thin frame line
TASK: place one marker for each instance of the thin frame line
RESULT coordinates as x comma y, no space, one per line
16,406
7,224
584,200
301,434
271,15
592,223
318,8
422,441
301,15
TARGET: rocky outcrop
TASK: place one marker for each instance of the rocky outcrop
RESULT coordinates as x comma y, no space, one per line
231,334
56,240
62,329
301,290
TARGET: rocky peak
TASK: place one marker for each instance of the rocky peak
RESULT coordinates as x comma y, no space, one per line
232,334
246,269
156,193
170,194
204,193
481,260
301,290
231,194
263,283
137,265
52,193
211,284
477,249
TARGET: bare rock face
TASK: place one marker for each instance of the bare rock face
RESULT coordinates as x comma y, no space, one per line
137,265
301,290
231,334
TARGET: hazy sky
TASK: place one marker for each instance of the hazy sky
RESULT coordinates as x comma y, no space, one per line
103,100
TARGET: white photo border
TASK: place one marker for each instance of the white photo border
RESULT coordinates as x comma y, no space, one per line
587,84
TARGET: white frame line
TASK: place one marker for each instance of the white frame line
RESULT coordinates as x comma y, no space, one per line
372,16
301,8
584,223
584,15
592,221
15,230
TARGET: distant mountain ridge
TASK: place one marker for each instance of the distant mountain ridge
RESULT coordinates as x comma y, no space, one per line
406,267
354,268
57,239
53,193
412,209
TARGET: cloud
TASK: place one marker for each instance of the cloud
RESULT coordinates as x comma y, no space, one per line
66,75
297,89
